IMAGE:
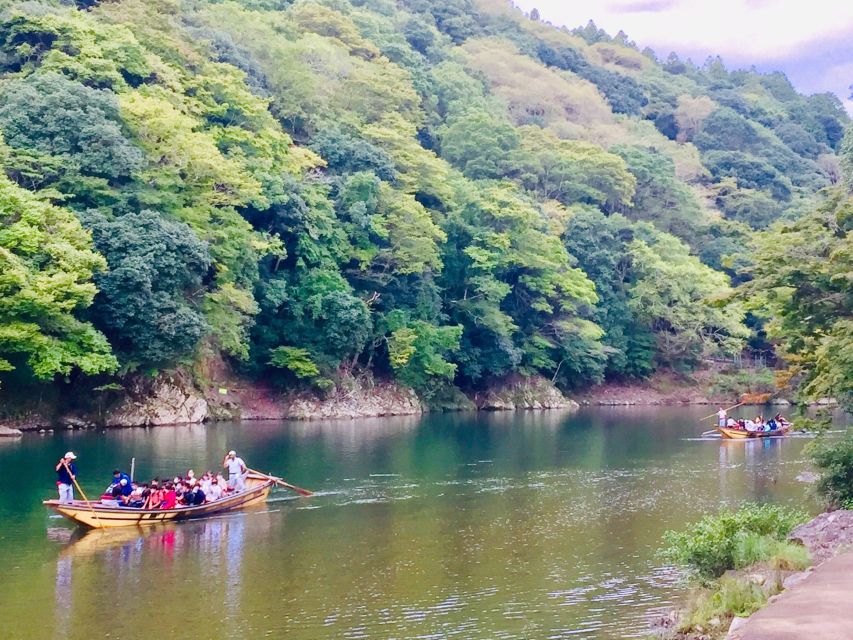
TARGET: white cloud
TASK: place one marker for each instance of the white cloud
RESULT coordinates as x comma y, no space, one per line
759,30
811,41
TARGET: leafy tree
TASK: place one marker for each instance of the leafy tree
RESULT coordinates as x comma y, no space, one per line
659,197
148,301
601,246
478,143
570,171
417,351
801,286
346,154
674,295
46,270
65,135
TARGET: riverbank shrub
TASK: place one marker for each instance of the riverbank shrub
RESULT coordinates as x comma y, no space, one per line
727,598
731,539
733,384
833,459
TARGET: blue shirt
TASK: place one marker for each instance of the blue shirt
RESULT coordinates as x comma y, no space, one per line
126,490
63,476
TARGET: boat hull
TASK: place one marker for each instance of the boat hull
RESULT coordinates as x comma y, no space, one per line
741,434
98,516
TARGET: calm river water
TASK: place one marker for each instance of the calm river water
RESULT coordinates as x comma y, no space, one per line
511,525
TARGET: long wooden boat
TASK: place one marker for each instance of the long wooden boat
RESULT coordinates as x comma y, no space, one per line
99,516
742,434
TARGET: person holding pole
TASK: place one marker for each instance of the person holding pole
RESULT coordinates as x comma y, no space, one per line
236,471
722,415
66,476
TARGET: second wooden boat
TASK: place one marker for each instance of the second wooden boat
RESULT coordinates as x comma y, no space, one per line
99,516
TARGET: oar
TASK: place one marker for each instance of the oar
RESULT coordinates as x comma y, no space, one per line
279,481
726,410
82,493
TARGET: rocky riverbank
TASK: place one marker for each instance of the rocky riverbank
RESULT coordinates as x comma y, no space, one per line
828,538
176,398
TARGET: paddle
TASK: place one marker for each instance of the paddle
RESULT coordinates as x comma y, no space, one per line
82,493
279,481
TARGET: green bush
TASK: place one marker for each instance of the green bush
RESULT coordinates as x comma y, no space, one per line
834,461
730,539
732,384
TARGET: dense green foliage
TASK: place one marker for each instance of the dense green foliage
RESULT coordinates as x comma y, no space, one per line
731,539
802,284
833,459
439,192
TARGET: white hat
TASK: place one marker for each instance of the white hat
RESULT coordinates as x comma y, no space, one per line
232,453
71,455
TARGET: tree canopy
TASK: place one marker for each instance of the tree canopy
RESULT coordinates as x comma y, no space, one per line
442,193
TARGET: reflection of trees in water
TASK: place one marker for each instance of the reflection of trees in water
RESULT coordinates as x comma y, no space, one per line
162,560
759,458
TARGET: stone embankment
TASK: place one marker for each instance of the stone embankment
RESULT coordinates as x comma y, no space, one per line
814,603
173,399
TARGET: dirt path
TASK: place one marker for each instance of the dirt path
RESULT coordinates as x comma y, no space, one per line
818,608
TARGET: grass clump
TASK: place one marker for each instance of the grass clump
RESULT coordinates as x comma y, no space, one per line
729,597
733,539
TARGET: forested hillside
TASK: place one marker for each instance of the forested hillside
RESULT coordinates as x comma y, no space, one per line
442,192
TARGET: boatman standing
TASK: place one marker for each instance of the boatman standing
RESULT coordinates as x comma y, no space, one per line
236,470
721,414
66,472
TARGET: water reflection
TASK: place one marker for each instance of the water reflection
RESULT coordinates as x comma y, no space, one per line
466,525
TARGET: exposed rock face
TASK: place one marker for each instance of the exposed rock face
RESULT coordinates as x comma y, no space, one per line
9,432
173,398
523,393
380,400
824,535
164,400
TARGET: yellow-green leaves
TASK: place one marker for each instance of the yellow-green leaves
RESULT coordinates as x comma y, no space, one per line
46,270
411,235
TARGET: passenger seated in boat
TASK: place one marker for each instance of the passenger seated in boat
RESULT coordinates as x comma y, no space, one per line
121,491
741,424
191,479
139,496
215,492
750,426
223,484
170,498
122,480
155,495
195,496
731,423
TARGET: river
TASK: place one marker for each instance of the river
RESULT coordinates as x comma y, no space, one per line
471,525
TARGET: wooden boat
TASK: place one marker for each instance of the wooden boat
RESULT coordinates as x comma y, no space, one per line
99,516
742,434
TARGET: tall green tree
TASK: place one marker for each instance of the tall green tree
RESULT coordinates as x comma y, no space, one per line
47,267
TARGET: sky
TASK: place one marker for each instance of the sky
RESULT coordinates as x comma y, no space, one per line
812,42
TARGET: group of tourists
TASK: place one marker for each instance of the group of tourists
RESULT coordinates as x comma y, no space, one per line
752,426
181,491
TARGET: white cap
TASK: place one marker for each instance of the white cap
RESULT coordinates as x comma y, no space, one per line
71,455
232,453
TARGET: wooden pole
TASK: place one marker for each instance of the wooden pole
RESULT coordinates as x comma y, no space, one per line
292,487
82,493
132,468
726,410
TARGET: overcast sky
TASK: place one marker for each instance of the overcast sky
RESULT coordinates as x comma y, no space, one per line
811,41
